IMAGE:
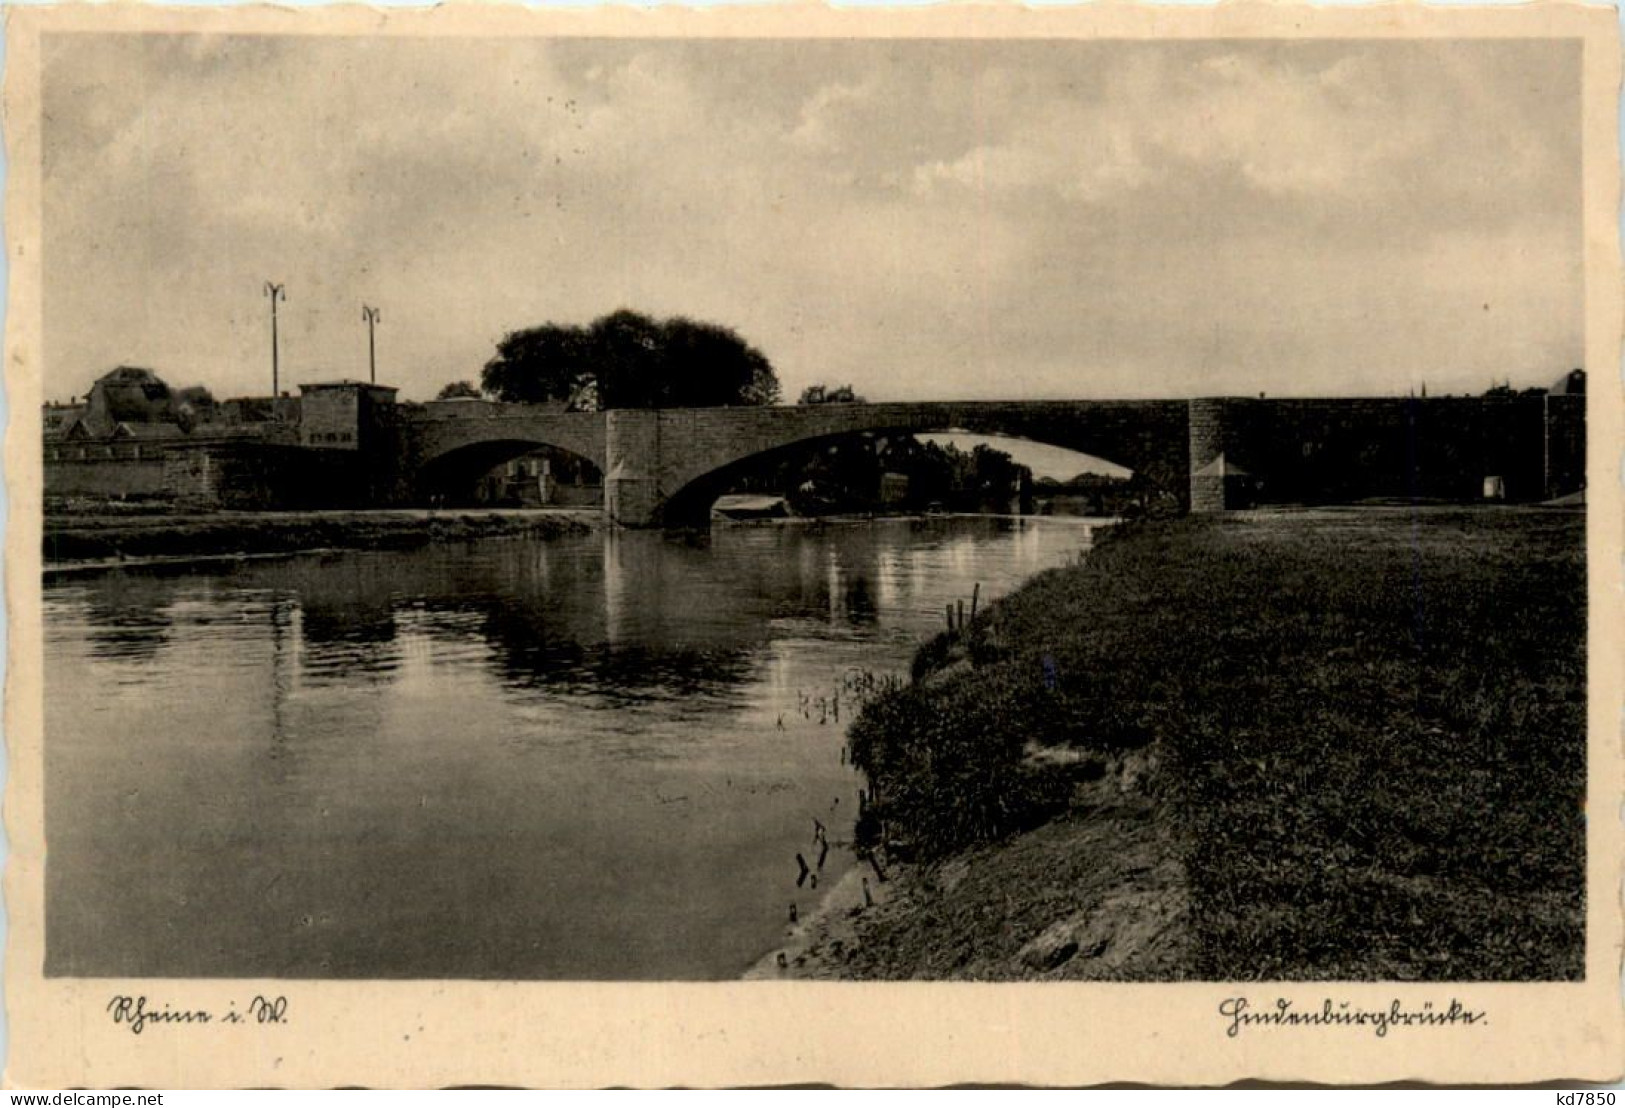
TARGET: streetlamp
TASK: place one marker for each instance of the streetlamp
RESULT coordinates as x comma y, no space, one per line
275,292
371,315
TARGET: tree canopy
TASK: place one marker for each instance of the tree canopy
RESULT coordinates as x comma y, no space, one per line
630,360
459,390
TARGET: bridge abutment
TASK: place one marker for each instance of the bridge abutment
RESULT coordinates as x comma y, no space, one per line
632,467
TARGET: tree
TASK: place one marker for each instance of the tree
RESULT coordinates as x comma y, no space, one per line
459,390
630,360
550,362
825,394
711,366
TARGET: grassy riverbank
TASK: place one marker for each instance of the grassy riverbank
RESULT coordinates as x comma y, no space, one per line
91,537
1318,744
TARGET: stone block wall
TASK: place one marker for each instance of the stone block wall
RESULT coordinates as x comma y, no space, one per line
106,477
254,476
1205,434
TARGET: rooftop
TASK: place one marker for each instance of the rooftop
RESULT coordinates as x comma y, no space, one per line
346,383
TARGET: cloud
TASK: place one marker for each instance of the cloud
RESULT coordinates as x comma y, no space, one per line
818,127
935,218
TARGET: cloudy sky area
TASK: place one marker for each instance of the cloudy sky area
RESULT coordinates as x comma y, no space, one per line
918,219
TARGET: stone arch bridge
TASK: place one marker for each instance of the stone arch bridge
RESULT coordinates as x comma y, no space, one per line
666,467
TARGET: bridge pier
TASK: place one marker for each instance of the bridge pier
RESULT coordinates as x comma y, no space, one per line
1206,436
632,471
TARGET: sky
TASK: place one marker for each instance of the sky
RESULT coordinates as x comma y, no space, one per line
919,219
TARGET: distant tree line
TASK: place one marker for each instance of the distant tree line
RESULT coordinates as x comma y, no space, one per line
1092,494
1573,383
873,471
827,394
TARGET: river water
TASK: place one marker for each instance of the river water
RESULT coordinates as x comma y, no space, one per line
585,758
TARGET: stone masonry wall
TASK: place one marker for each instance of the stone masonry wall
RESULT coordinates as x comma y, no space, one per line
1205,431
105,477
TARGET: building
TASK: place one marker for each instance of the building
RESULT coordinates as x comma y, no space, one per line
893,488
133,437
339,415
541,479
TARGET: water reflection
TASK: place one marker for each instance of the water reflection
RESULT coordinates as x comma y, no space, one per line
857,605
347,625
129,623
584,758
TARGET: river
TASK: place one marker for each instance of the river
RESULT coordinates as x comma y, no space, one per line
585,758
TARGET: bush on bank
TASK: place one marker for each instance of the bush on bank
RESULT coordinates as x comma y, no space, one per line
945,769
946,755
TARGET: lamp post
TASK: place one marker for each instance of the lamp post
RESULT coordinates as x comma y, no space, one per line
371,315
275,292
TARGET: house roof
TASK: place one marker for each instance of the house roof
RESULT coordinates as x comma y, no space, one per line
346,383
147,431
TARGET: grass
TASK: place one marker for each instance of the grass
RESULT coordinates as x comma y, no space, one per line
115,536
1368,727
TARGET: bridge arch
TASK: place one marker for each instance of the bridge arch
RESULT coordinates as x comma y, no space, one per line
690,505
452,476
1149,437
446,443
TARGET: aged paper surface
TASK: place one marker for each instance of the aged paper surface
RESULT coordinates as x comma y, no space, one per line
455,1030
